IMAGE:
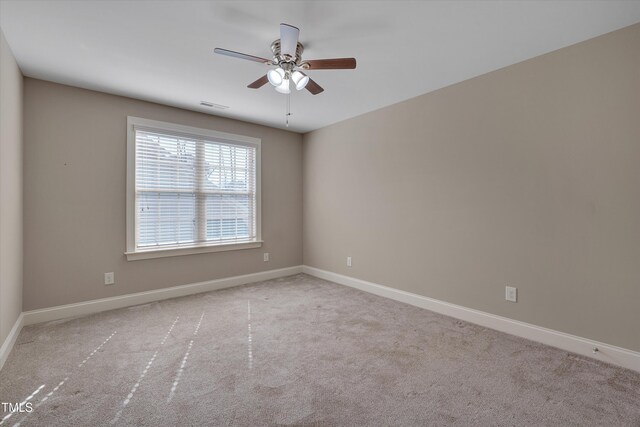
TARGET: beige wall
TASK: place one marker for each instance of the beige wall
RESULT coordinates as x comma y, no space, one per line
10,190
527,176
75,158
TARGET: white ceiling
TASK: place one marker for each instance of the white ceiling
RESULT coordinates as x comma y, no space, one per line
162,51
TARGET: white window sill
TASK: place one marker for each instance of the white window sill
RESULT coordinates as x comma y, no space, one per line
167,252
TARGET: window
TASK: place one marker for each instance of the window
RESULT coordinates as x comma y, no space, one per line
190,190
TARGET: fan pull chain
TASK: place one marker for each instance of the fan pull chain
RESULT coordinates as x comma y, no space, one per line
288,113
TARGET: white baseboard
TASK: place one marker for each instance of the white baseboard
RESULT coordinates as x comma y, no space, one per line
95,306
583,346
8,343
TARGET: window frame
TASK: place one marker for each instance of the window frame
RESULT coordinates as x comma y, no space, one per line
134,253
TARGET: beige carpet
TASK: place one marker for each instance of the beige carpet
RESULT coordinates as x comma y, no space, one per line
302,351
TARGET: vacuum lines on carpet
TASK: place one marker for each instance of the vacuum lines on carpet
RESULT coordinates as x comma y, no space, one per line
56,388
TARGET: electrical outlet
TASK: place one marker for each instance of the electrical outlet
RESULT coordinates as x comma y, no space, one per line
109,278
348,261
511,294
265,256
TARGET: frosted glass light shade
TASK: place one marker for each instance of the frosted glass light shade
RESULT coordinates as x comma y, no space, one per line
299,79
275,76
284,86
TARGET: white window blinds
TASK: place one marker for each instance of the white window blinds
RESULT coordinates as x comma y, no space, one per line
192,191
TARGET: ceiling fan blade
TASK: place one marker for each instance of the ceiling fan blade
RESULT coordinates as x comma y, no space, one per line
288,39
240,55
314,87
259,83
331,64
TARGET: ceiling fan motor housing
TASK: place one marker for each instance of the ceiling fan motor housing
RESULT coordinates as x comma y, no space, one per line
281,60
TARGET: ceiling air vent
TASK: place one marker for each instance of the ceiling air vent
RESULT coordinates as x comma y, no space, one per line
213,105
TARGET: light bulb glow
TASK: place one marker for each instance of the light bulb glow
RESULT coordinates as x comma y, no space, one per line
299,79
275,76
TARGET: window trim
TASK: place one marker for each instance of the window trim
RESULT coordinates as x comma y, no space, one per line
198,248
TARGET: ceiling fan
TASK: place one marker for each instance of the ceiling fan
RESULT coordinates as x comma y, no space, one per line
287,58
